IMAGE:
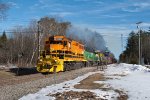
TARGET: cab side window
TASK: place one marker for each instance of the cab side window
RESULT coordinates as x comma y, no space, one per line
65,43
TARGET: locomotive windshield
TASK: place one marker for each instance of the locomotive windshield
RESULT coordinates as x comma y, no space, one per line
56,42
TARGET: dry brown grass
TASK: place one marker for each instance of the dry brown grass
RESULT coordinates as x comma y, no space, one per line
88,83
70,95
122,95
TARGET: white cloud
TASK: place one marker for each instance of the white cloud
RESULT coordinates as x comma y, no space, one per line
111,16
61,14
83,0
109,28
136,6
51,5
142,5
128,6
131,10
94,1
145,25
113,30
13,4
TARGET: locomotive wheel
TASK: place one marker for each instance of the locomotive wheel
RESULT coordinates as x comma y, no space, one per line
65,67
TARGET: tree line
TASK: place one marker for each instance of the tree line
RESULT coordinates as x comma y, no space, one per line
20,46
131,53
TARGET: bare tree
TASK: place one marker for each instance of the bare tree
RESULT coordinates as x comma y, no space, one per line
50,26
23,44
62,28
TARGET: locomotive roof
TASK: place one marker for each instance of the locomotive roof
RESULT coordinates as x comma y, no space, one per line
63,37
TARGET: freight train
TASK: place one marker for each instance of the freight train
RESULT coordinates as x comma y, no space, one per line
63,54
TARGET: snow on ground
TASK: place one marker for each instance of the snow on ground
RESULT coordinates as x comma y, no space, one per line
133,79
42,94
136,82
7,66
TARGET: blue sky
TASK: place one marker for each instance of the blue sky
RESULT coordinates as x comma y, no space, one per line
111,18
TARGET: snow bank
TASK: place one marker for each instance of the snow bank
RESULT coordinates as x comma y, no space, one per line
136,82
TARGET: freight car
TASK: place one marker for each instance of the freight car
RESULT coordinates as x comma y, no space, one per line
63,54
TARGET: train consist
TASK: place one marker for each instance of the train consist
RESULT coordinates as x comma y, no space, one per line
63,54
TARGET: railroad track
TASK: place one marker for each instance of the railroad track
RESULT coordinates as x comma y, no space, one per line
15,87
8,77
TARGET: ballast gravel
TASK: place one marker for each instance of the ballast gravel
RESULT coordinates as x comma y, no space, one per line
19,89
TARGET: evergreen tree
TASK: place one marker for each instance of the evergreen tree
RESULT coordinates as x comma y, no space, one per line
131,54
3,48
3,40
4,37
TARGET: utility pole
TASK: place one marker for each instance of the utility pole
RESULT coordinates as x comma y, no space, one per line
139,31
122,42
38,39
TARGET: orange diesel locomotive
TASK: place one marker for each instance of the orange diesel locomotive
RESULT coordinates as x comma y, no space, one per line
61,54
